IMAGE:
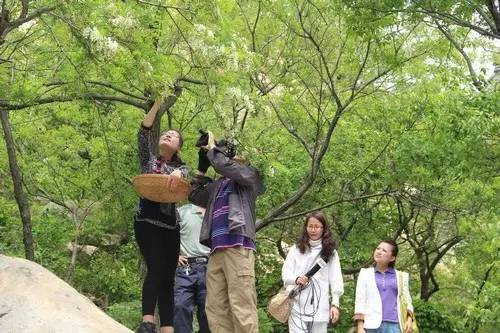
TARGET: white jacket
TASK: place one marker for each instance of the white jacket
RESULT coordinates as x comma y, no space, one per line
328,278
368,302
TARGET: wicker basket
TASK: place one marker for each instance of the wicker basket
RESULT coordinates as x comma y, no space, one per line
280,306
161,188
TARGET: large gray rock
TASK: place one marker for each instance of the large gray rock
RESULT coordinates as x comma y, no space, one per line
34,300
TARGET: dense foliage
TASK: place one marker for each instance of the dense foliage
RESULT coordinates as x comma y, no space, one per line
384,114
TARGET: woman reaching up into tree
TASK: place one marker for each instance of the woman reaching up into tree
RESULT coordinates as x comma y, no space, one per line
156,227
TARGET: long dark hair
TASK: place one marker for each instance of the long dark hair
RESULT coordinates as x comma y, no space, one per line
327,241
394,250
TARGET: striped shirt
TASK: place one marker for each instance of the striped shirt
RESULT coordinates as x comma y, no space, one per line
219,233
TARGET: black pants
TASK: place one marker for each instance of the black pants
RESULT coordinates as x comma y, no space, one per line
160,249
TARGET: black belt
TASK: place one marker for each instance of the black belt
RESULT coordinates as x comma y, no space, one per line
197,260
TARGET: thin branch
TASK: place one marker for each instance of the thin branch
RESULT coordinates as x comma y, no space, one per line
253,28
291,130
381,74
165,6
103,84
331,84
452,242
361,69
309,181
486,18
43,194
369,164
24,11
190,80
485,278
495,12
477,83
339,56
14,24
85,96
460,22
362,197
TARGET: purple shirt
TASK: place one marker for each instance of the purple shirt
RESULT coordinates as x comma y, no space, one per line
387,285
219,233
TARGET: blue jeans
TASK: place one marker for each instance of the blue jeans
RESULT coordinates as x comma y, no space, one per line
190,290
386,327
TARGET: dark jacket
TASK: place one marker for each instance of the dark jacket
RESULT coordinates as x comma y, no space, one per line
248,185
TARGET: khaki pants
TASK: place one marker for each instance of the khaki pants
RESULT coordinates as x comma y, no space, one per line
231,304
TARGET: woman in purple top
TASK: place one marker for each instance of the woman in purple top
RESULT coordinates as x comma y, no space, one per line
156,227
377,305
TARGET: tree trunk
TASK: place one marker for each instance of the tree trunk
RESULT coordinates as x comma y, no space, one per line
424,277
74,255
21,198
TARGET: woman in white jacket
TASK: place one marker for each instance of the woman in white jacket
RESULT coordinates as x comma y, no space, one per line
377,305
312,308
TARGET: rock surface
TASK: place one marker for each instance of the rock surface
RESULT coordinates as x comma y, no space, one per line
86,249
34,300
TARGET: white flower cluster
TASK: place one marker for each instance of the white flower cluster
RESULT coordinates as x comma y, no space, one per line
276,92
27,25
203,30
106,46
241,100
234,92
124,22
200,42
244,57
235,56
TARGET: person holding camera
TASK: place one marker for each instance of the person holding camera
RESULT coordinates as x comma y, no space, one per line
229,231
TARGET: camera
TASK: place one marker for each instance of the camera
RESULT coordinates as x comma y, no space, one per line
227,146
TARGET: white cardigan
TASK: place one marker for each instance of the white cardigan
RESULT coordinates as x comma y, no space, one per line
368,302
328,277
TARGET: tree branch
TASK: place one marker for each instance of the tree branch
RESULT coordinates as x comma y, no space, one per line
477,83
452,242
292,131
350,181
331,83
367,196
485,278
361,69
85,96
24,11
495,12
165,6
486,18
381,74
460,22
14,24
309,181
190,80
97,83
